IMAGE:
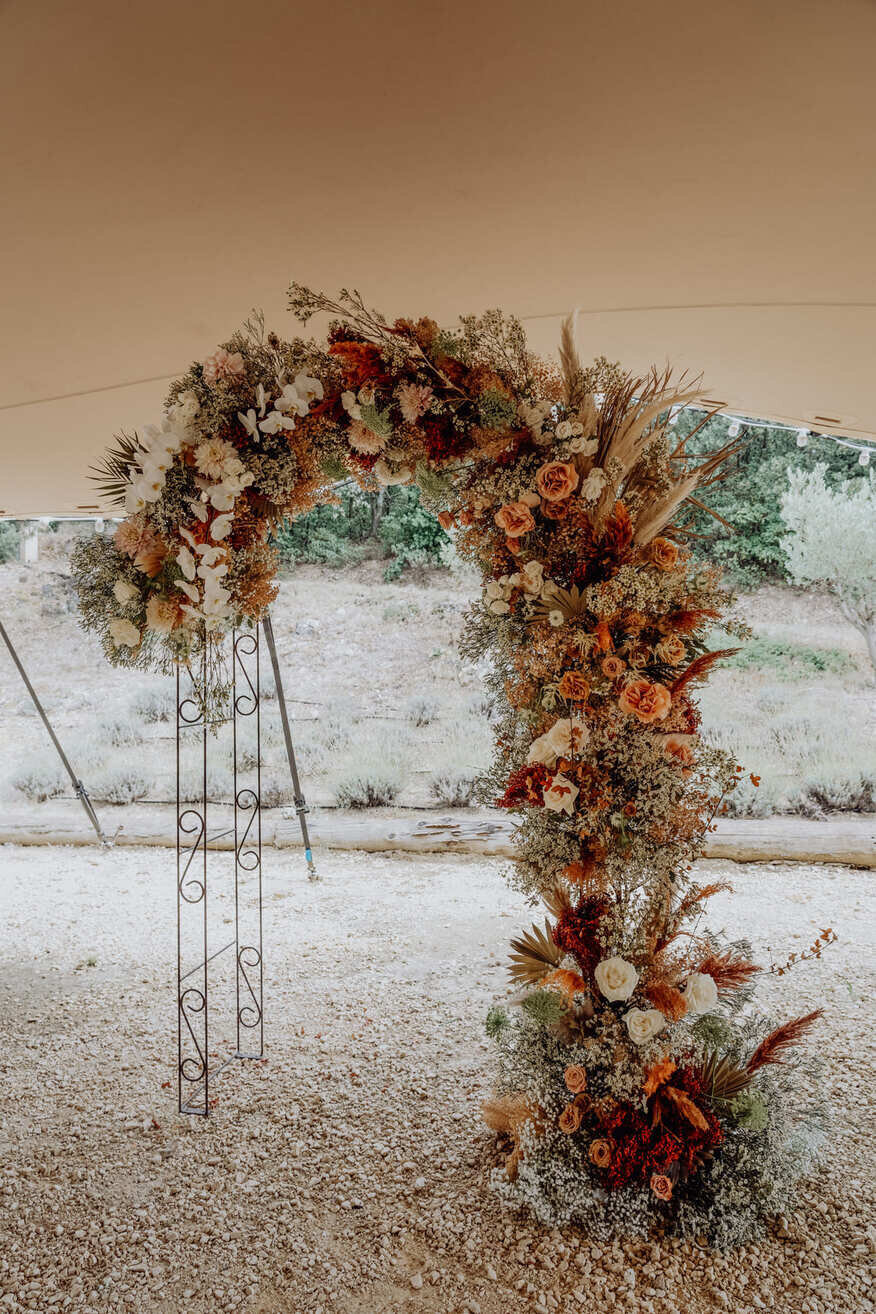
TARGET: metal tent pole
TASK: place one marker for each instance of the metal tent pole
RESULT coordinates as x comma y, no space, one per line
301,807
81,792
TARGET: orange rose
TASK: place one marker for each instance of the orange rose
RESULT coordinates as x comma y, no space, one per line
671,650
570,1119
575,1078
647,701
664,553
661,1186
556,481
574,687
613,667
600,1153
515,518
677,748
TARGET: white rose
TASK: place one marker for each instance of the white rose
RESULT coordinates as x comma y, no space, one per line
564,430
700,993
584,446
644,1024
498,607
593,484
560,795
123,592
532,577
616,978
124,633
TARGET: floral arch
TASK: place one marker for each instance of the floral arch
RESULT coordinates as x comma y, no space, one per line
632,1087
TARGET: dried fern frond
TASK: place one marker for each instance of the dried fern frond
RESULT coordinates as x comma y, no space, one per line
700,667
782,1039
728,970
722,1078
534,954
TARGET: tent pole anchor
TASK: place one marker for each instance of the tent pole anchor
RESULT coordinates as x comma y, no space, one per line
301,807
79,788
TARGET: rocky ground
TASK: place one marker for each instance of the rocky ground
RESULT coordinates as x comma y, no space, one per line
347,1174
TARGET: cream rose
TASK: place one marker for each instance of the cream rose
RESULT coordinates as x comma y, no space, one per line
124,633
643,1024
560,795
700,993
123,592
562,739
616,978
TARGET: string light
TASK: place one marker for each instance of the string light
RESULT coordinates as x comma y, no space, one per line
865,447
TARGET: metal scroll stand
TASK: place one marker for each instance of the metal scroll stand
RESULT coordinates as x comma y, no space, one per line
81,792
301,807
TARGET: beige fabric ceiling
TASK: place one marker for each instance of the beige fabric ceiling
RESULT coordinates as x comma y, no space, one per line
698,178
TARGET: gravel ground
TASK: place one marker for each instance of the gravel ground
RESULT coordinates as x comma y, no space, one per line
348,1172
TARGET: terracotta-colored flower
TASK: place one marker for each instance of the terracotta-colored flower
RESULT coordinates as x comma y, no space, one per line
556,510
570,1119
600,1153
661,1186
445,519
677,749
646,701
574,686
515,518
575,1078
613,667
162,614
671,650
664,553
658,1074
571,983
556,481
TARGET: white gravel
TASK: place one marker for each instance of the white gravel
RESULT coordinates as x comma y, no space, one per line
347,1173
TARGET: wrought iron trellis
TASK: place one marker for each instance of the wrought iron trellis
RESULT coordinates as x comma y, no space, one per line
194,721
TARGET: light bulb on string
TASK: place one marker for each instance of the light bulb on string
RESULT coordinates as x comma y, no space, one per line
734,430
802,437
864,458
674,413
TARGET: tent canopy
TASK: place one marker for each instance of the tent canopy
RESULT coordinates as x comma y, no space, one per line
698,179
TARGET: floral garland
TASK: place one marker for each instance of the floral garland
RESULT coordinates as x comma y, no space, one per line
634,1087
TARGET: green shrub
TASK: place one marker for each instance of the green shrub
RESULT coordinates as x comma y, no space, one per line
329,535
791,661
9,537
409,533
454,788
